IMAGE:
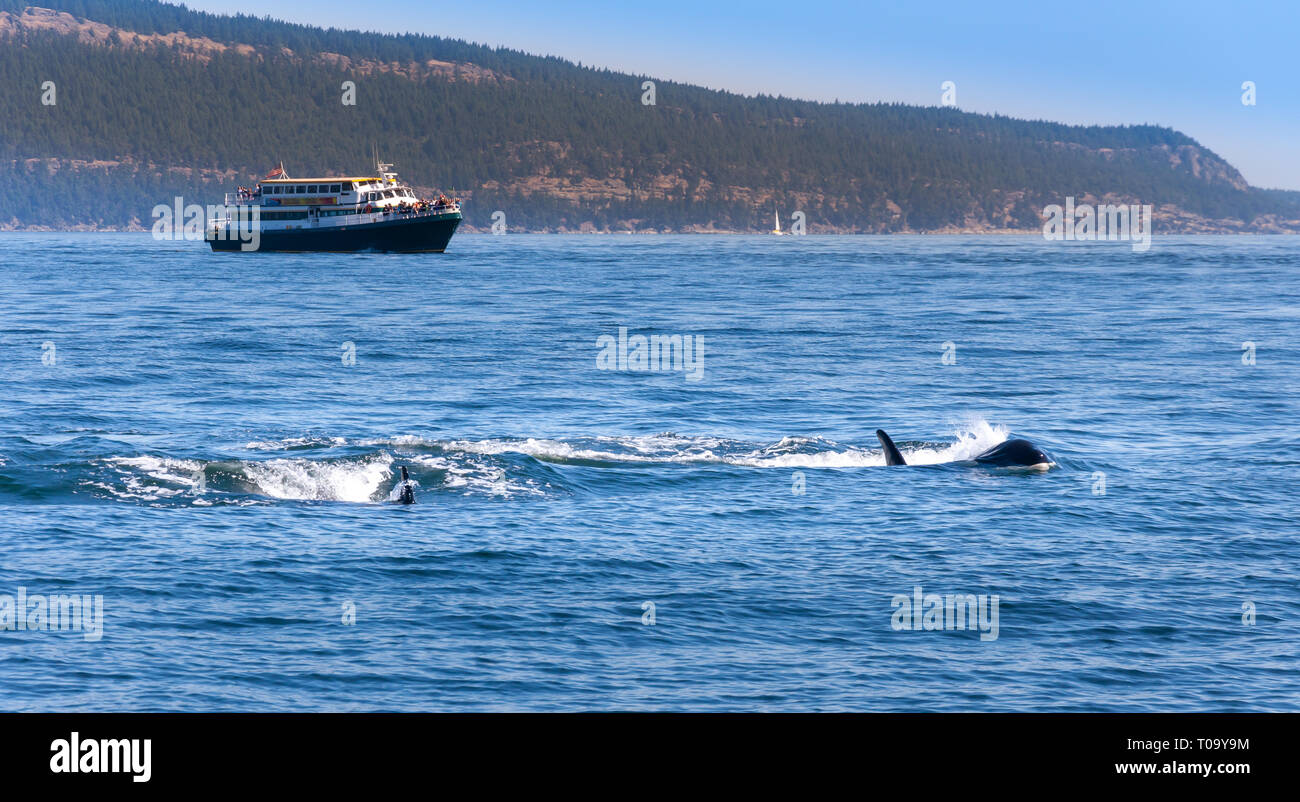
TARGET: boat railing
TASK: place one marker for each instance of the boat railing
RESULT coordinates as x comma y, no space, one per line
223,219
242,199
444,208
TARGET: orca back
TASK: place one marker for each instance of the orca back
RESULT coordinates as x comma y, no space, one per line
1016,452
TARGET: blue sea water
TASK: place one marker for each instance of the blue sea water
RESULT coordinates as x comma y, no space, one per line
182,433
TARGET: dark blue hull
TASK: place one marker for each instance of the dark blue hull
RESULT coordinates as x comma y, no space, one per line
396,234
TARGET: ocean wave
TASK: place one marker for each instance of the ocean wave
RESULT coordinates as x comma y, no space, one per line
290,443
365,479
501,467
153,478
479,477
356,481
971,439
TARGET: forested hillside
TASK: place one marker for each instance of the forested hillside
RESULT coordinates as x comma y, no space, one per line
154,100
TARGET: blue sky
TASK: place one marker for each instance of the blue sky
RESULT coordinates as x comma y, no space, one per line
1179,64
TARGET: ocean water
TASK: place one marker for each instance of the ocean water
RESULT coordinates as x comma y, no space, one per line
211,443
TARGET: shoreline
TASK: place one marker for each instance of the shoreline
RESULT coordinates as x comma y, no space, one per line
470,231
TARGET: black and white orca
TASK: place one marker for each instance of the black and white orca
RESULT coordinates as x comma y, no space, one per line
407,494
1016,453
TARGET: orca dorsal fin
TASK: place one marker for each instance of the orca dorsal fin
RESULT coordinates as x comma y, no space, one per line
892,457
406,495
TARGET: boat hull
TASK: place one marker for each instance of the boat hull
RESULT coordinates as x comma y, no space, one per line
401,234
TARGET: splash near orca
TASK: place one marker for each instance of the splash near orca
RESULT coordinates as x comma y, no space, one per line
1017,453
407,495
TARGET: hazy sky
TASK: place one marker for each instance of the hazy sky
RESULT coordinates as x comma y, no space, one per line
1180,64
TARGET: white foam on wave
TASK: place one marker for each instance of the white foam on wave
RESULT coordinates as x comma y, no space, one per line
543,449
164,469
311,480
399,440
140,477
293,442
151,478
972,438
478,477
667,442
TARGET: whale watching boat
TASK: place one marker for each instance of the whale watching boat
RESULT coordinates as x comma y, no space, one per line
345,213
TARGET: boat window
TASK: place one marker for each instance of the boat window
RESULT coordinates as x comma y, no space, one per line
334,188
300,189
311,189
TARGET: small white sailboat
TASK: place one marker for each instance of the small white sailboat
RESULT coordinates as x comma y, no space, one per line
777,231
